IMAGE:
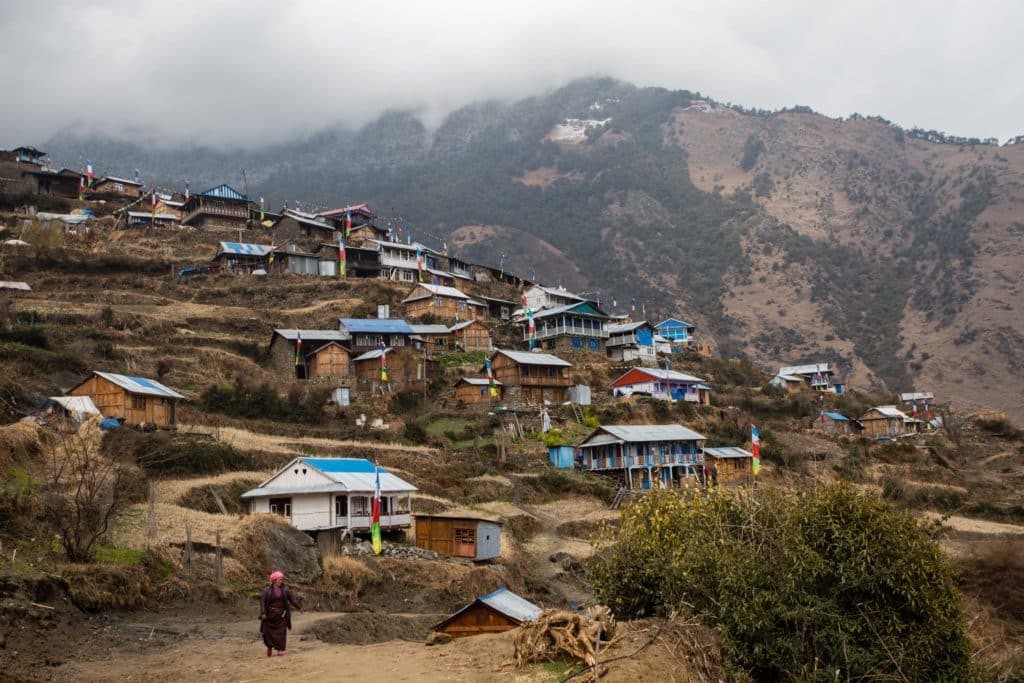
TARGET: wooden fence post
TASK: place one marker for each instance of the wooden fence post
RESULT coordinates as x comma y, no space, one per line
188,548
151,527
218,567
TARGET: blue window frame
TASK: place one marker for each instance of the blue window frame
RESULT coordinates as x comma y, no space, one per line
594,344
577,342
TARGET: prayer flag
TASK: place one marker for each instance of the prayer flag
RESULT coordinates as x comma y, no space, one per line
375,520
298,348
262,205
81,188
88,172
492,388
755,447
419,262
187,195
348,224
342,256
383,363
913,410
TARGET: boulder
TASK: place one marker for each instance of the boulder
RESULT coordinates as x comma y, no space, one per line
438,638
268,544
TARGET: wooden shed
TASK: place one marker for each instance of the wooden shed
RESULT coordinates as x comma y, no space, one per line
471,537
329,360
443,302
730,463
476,391
835,423
135,400
532,377
471,335
495,612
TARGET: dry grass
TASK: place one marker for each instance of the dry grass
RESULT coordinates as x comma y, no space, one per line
242,439
172,490
130,530
20,439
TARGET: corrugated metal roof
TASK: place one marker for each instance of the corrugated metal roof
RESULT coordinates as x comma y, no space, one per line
10,284
430,329
115,179
376,325
147,214
917,396
811,369
560,292
544,313
458,326
644,433
626,327
305,218
667,322
370,355
139,385
437,290
348,475
78,406
888,411
837,416
405,247
244,249
355,208
662,375
728,452
479,381
314,335
511,605
531,358
224,191
788,378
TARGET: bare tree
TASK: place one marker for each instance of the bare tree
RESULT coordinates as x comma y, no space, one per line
84,490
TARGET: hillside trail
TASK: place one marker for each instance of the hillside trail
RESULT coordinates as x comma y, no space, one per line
549,540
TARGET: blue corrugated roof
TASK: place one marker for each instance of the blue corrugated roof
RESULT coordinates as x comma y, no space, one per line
837,416
342,465
511,605
245,249
376,326
139,385
224,191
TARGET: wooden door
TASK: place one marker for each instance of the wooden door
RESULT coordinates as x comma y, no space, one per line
465,542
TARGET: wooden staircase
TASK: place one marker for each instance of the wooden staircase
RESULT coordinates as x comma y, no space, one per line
577,412
620,496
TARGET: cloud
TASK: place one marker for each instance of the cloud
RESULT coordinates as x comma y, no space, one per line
252,72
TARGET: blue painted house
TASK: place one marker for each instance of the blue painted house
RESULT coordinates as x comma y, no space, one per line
642,456
575,327
678,332
632,342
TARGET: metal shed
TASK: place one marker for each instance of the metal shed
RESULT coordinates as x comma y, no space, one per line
562,457
471,537
495,612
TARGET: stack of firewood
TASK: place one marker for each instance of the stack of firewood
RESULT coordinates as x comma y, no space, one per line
560,634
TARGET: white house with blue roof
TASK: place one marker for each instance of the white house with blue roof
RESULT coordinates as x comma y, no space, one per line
323,494
368,334
643,456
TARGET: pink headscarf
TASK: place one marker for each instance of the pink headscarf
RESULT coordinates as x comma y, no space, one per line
275,576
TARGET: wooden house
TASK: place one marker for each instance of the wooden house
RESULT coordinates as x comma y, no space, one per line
282,353
406,367
474,538
532,377
23,155
496,612
63,183
643,456
471,335
368,334
729,464
133,400
289,259
218,207
400,262
242,258
443,302
121,187
330,360
431,338
149,219
678,332
361,217
835,423
293,224
577,327
662,384
499,309
472,391
168,206
886,421
539,297
359,261
817,376
328,494
629,342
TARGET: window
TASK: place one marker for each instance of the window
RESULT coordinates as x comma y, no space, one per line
340,506
552,372
138,403
577,343
463,535
407,275
361,505
397,340
402,505
594,344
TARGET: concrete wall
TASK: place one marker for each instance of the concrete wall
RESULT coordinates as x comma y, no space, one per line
488,540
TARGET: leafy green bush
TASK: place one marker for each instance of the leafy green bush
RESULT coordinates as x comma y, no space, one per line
821,587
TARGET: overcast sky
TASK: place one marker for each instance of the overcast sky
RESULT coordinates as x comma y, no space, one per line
257,71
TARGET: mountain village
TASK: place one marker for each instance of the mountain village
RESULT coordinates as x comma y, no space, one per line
525,368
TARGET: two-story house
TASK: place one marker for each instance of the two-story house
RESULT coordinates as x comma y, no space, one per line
581,326
643,456
632,342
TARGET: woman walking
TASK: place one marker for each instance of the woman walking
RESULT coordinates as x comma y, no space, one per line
275,615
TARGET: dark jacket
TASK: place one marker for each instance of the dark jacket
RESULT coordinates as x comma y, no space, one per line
289,599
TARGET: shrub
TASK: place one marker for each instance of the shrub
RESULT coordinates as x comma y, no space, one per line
999,427
820,587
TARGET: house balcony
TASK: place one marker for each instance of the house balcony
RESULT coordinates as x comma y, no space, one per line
363,522
536,381
634,461
564,330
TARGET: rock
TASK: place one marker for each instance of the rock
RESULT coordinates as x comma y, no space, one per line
437,638
278,546
566,561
